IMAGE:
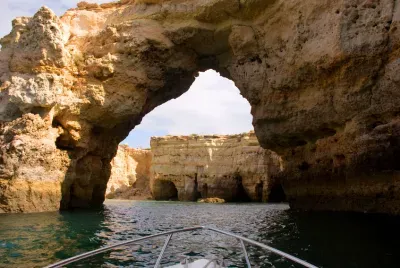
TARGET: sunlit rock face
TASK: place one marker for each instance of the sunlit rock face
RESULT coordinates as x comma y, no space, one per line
31,168
232,167
130,174
322,78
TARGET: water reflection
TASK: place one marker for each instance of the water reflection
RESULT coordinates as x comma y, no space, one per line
35,240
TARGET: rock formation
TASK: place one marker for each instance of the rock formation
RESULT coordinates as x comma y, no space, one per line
31,168
130,174
322,78
232,167
213,200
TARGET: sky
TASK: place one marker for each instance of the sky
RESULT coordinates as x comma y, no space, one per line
213,105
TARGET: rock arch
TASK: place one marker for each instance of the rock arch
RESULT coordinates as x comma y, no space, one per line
321,78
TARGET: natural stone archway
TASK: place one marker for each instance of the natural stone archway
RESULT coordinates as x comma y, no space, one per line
322,78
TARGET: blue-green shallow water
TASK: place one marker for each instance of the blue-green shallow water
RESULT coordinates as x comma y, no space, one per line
324,239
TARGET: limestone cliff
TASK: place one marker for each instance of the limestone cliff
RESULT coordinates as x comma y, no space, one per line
322,78
232,167
130,174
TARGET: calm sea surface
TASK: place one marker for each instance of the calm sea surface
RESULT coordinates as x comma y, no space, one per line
324,239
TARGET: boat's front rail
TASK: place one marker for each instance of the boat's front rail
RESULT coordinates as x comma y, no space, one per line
169,235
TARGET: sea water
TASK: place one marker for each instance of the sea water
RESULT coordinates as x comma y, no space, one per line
323,239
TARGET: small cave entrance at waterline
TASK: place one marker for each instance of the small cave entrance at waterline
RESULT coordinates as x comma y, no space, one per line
240,193
277,194
165,190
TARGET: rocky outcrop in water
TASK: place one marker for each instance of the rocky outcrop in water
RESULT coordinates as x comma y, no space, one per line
322,78
231,167
130,174
212,200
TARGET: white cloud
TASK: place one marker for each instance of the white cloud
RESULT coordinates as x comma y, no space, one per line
213,104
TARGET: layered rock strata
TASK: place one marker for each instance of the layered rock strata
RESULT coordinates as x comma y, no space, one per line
130,174
232,167
322,78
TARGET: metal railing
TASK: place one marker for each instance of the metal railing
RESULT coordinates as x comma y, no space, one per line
168,239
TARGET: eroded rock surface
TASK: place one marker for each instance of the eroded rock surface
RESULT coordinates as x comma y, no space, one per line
232,167
130,174
31,168
322,78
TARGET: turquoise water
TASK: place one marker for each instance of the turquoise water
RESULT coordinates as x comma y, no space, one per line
324,239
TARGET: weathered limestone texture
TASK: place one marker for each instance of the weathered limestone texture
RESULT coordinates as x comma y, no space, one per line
28,156
130,174
322,78
232,167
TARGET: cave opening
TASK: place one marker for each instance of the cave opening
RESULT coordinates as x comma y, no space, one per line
259,191
277,194
64,141
240,195
165,190
204,191
197,193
